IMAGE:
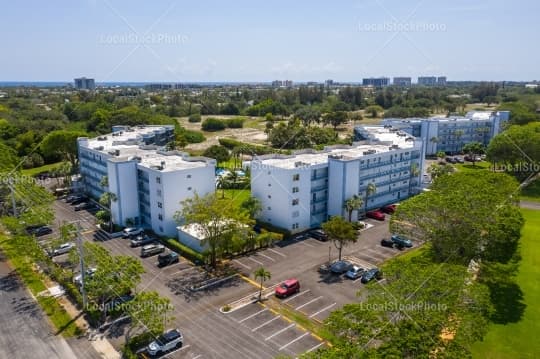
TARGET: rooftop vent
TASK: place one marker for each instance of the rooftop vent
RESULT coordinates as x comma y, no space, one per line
102,138
99,148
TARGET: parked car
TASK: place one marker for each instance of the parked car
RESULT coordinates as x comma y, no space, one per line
40,230
73,197
450,160
78,200
62,249
83,205
378,215
458,160
131,231
290,286
401,241
165,259
340,267
324,268
387,243
354,273
141,240
89,273
389,209
369,275
169,340
152,249
118,301
319,235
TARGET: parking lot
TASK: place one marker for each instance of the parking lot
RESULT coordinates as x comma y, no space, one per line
254,331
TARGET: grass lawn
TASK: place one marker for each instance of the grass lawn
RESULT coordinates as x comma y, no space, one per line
36,170
517,339
236,195
468,167
531,192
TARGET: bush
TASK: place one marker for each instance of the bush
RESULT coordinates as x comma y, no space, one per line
229,143
285,233
184,250
193,136
195,117
235,122
213,124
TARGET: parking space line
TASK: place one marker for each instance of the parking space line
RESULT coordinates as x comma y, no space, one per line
302,242
322,310
181,271
176,351
242,264
314,348
375,253
280,331
197,357
296,295
308,303
252,315
265,256
268,322
361,262
256,261
294,341
276,252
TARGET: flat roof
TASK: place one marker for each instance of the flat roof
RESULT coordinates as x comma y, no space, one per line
376,133
128,145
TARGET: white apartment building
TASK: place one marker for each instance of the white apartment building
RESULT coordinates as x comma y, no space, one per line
451,134
147,181
300,191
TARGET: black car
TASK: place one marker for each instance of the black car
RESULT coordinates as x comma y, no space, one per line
340,267
166,259
373,273
319,235
79,200
41,231
387,243
30,229
83,205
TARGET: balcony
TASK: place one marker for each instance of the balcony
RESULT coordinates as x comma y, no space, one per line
319,188
318,200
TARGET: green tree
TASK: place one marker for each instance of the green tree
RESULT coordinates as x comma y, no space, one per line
370,190
352,204
106,200
473,150
436,170
374,110
253,206
335,118
217,152
441,155
217,219
340,231
62,144
262,275
149,313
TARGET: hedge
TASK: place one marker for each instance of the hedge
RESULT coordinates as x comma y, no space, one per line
271,228
184,250
213,124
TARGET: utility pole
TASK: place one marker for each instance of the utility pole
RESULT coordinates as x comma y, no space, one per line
13,202
81,263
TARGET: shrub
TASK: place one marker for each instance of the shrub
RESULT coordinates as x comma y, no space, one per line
229,143
213,124
184,250
285,233
226,308
237,122
193,136
195,117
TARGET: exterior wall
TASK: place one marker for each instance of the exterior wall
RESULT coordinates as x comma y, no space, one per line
123,183
93,167
190,241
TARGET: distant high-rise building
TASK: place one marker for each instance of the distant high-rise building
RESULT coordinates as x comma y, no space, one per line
280,83
402,81
376,82
287,83
441,81
84,84
427,81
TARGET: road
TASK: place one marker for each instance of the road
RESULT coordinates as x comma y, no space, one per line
25,331
530,205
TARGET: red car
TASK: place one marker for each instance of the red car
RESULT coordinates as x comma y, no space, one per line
389,209
290,286
377,214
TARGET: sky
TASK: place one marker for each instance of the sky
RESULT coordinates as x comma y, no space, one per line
212,40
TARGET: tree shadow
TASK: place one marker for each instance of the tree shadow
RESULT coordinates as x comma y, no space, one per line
65,326
10,282
507,299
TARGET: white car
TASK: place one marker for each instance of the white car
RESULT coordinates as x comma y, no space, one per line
132,231
167,341
89,273
62,249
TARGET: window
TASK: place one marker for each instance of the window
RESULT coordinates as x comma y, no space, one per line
295,201
189,188
160,229
160,217
295,226
158,193
160,205
269,185
269,208
269,196
188,176
295,189
295,214
158,180
296,177
269,172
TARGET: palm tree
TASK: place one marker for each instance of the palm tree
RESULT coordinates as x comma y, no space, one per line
253,206
263,275
415,171
221,182
434,140
458,134
106,200
352,204
370,189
